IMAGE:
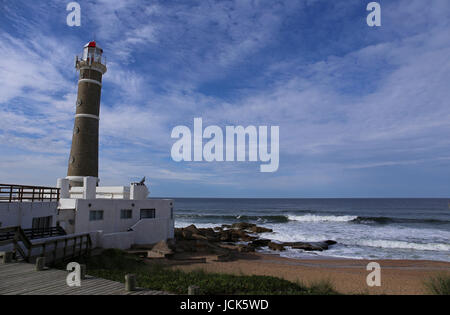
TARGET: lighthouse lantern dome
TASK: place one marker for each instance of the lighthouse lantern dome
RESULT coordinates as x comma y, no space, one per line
92,52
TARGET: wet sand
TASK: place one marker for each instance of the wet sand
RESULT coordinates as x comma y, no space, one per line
347,275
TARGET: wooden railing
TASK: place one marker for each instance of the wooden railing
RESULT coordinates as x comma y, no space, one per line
33,234
73,246
20,193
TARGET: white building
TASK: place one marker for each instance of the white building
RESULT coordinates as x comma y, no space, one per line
115,217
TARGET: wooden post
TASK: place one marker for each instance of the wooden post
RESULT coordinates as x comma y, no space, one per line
65,249
74,247
40,263
130,283
7,257
193,290
83,272
43,250
54,252
87,246
81,246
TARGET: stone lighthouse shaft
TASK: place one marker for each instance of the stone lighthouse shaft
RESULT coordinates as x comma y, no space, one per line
83,160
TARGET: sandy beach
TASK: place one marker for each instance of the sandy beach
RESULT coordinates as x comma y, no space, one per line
399,277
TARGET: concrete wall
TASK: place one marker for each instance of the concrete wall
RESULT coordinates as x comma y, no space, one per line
22,213
152,231
115,232
122,240
111,232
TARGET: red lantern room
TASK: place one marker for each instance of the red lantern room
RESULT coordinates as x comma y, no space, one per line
92,53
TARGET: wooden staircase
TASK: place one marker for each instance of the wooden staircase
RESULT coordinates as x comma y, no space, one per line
57,249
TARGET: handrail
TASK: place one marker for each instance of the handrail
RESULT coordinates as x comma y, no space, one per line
78,248
32,234
20,193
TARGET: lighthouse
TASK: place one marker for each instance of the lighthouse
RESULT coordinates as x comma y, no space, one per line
83,160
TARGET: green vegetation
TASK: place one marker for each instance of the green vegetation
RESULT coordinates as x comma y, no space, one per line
115,264
439,285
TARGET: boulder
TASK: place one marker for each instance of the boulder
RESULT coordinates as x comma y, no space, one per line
187,235
178,234
260,243
248,238
308,247
238,234
225,236
193,229
223,257
199,237
276,246
245,249
242,226
193,239
259,229
161,250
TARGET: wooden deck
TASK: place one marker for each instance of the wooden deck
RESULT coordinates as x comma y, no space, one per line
22,279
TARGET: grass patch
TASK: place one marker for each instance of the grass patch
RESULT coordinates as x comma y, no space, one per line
439,285
115,264
323,287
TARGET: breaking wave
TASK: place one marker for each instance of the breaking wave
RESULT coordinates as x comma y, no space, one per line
307,218
402,245
232,218
386,220
321,218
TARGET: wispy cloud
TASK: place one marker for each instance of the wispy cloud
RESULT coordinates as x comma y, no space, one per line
349,99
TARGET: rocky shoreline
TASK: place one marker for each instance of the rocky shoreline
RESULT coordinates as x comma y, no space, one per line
240,237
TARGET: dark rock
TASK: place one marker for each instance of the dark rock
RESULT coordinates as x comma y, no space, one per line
276,246
245,249
239,233
311,246
260,243
161,250
187,235
322,245
258,230
223,257
199,237
193,229
225,236
308,247
242,226
193,239
248,238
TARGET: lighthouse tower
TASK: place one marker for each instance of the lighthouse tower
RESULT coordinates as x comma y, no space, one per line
83,160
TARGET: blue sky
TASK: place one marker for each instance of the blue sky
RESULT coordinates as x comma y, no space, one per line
363,112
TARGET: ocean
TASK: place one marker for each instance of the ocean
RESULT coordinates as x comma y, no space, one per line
416,229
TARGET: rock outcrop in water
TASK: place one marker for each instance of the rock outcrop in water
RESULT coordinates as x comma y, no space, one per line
241,237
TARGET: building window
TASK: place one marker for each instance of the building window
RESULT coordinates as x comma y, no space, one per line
148,214
126,214
96,215
42,222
